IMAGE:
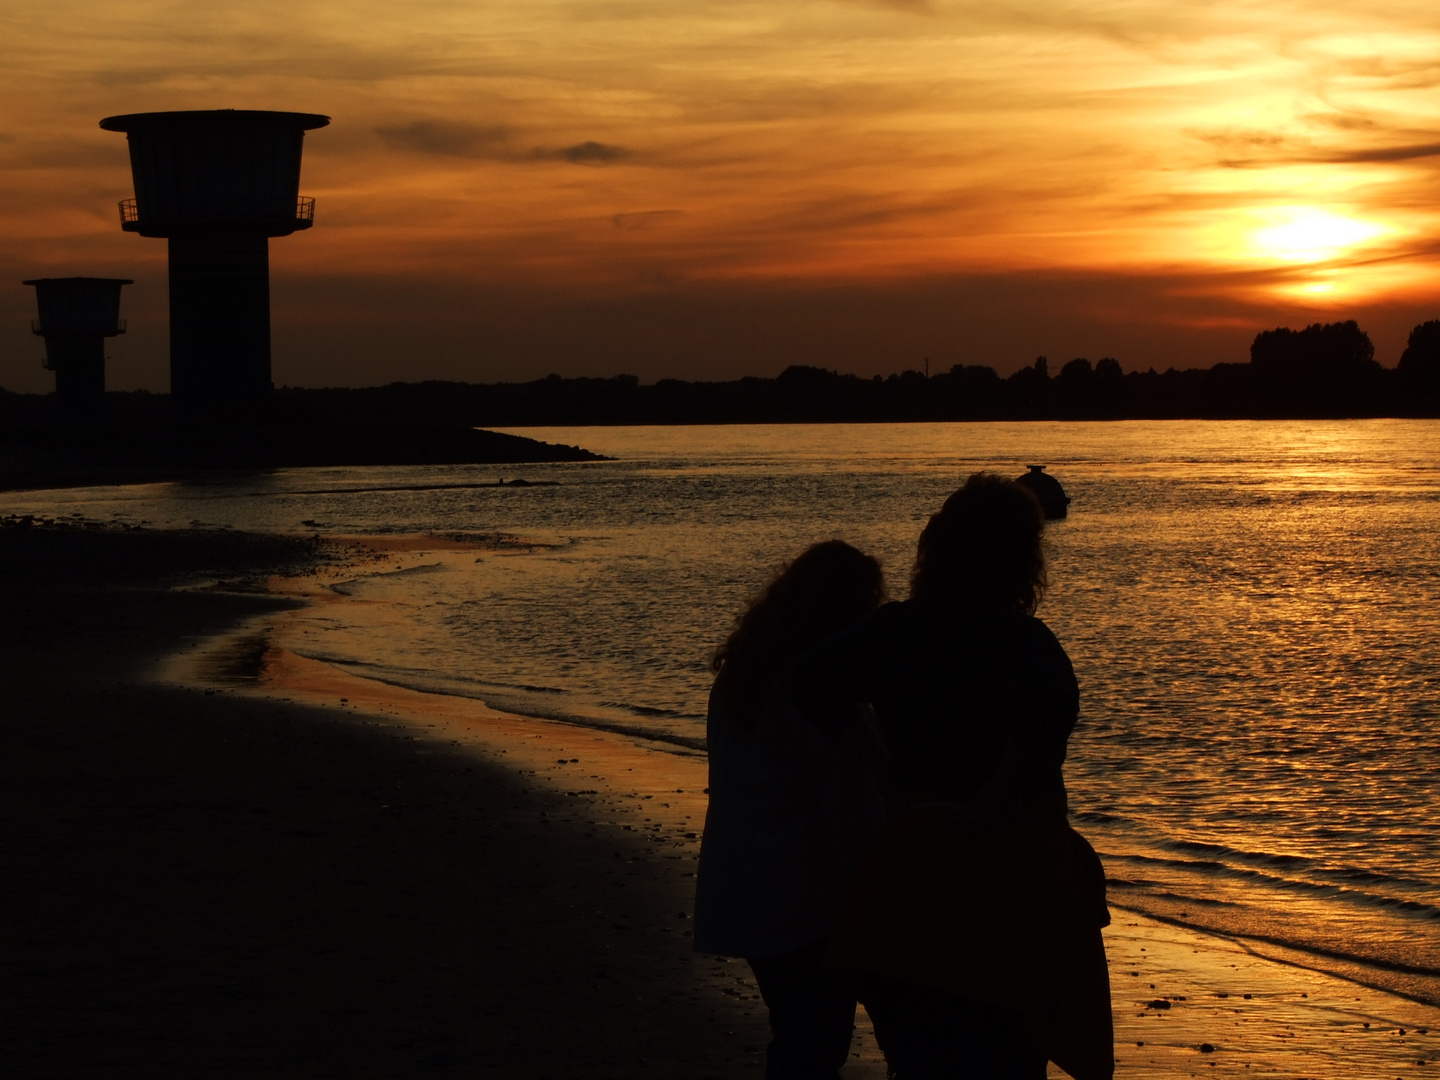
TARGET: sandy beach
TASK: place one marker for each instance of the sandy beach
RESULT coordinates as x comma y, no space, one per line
233,859
233,885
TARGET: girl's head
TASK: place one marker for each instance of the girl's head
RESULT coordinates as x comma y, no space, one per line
983,549
828,587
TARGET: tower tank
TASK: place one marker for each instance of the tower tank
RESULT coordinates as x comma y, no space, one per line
77,314
217,184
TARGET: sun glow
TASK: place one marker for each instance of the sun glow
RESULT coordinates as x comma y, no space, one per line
1303,234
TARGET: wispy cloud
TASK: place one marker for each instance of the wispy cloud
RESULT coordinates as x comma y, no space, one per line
587,153
916,7
449,139
446,138
643,219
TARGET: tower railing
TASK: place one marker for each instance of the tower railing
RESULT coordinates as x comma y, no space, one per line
304,213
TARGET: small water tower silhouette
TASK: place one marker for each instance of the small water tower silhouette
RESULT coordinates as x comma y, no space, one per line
77,314
218,185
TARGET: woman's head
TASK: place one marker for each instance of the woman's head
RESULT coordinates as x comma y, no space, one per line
983,548
828,587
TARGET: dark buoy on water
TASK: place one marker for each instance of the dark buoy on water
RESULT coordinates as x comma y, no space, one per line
1047,489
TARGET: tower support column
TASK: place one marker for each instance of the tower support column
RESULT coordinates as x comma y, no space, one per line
78,361
219,319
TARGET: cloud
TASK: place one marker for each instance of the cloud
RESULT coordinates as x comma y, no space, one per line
448,139
591,153
1364,156
917,7
1251,148
643,219
1384,153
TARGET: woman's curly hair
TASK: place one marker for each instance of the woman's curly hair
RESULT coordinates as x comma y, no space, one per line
983,548
828,587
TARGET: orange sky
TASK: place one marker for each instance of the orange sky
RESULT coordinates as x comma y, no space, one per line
711,189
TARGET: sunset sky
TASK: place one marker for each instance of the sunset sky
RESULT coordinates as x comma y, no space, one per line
705,190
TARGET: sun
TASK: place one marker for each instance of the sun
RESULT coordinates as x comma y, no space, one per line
1305,234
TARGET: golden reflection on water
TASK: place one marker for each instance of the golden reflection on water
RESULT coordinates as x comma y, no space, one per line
1253,610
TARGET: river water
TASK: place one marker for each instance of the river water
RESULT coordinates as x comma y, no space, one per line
1253,611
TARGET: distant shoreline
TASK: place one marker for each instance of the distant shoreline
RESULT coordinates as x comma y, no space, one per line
51,454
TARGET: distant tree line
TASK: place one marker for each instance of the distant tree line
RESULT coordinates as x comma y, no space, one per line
1323,371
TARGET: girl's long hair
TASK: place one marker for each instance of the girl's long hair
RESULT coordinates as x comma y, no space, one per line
983,548
828,587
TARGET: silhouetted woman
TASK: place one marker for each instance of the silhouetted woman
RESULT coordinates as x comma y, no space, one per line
789,811
973,921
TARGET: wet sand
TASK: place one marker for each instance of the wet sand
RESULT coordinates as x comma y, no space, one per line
303,871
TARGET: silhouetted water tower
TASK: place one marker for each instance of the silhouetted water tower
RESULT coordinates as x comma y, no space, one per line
77,314
217,184
1047,491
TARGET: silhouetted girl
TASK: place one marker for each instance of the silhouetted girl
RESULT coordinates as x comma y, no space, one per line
789,811
973,921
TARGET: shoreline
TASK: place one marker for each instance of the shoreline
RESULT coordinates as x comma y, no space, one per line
1289,1016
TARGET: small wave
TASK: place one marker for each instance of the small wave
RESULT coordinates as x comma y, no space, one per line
423,681
475,692
1271,860
348,586
1265,858
1330,890
1198,901
1148,888
1185,864
529,688
641,710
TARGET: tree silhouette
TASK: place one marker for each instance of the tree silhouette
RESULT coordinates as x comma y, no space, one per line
1419,368
1324,370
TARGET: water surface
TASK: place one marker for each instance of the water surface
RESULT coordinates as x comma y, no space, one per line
1253,610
